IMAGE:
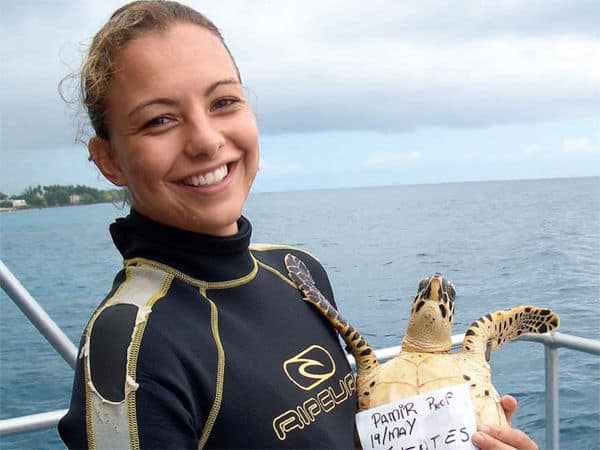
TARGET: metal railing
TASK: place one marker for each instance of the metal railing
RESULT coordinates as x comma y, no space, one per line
61,343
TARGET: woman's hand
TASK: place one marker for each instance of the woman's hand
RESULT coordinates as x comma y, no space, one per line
503,438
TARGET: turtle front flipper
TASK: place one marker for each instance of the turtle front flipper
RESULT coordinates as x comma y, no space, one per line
366,361
492,330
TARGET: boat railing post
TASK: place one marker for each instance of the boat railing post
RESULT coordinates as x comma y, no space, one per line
552,395
37,316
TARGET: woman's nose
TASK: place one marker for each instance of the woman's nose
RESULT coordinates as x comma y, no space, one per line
203,139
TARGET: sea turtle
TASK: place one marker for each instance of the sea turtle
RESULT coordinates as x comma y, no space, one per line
425,362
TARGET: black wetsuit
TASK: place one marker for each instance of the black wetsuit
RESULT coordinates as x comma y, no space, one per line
205,341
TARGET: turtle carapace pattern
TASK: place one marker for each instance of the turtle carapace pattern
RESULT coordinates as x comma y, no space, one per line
426,362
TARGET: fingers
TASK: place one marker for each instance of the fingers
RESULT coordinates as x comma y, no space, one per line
496,438
510,405
486,442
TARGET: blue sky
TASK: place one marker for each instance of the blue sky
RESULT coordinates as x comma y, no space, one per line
346,93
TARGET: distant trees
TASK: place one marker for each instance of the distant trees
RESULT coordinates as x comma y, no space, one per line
56,195
34,196
60,195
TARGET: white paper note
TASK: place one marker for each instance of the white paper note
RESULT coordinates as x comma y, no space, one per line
438,420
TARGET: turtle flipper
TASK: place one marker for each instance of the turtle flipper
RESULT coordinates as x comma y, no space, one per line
492,330
299,273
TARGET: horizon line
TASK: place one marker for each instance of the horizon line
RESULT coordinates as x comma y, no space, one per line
340,188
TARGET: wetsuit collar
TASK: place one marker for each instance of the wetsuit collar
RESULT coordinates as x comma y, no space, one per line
201,256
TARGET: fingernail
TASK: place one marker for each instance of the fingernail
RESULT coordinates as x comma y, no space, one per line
478,439
484,428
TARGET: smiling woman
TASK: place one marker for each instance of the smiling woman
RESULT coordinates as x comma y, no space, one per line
174,357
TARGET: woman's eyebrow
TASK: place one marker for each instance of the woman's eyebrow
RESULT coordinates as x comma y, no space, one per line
171,102
216,84
153,101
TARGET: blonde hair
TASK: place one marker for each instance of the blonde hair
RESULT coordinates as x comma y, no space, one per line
127,23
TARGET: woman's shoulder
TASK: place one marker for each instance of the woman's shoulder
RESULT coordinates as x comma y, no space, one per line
279,250
274,255
111,334
135,289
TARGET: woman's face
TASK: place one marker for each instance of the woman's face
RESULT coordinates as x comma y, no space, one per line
183,139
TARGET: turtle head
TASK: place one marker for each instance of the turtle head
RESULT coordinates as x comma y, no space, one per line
431,316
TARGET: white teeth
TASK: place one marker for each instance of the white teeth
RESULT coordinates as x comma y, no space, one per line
207,179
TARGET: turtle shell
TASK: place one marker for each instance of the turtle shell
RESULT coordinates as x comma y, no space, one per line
410,374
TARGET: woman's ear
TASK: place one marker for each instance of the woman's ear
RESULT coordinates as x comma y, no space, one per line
106,161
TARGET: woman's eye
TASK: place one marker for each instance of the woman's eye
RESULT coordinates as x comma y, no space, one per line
157,122
224,103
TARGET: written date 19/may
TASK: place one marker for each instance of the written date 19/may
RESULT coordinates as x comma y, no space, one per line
452,436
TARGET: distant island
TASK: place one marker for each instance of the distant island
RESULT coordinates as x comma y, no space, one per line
59,195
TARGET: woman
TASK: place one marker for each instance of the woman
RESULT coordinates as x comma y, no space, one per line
202,340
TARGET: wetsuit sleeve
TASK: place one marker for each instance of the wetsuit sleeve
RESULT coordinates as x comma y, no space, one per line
109,410
132,389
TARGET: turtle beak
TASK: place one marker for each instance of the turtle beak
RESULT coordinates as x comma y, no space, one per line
434,289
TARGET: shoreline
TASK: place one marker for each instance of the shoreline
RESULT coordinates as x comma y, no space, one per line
29,208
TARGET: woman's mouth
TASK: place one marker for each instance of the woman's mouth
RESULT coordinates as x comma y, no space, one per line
210,182
209,178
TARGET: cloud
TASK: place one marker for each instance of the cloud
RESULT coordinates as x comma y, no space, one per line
436,21
320,66
581,145
385,160
401,86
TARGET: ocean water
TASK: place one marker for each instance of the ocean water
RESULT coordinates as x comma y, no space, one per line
501,243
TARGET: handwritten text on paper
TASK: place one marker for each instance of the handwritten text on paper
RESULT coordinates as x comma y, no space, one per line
437,420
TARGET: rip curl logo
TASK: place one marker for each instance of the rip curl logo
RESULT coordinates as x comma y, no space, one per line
306,413
310,368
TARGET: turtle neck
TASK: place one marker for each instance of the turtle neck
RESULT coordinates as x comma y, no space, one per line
201,256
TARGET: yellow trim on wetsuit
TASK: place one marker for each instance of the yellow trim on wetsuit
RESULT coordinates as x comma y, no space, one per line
216,407
194,281
277,273
134,350
268,247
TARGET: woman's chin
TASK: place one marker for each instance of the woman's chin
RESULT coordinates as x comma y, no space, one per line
218,224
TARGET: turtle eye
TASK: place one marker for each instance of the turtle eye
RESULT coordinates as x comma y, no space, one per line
423,284
451,291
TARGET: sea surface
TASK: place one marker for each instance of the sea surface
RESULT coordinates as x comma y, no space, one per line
502,244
